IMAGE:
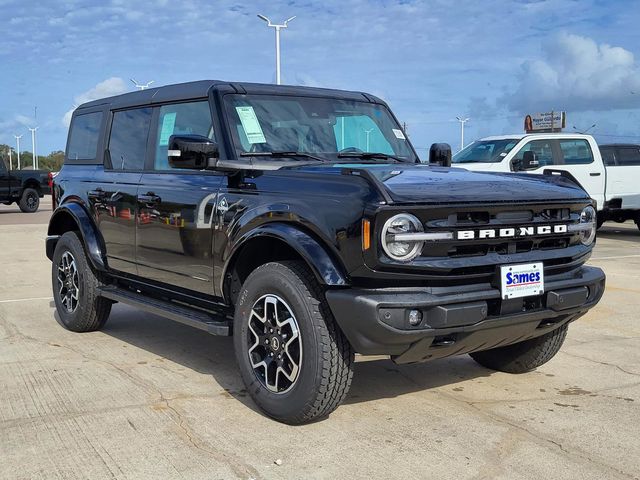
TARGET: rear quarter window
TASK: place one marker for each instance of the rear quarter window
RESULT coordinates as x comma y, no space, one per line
628,156
576,152
84,134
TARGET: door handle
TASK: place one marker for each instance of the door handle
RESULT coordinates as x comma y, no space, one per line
97,194
594,174
149,199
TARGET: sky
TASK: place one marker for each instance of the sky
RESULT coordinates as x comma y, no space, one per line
492,60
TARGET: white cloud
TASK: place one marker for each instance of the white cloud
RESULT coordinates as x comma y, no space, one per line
577,74
107,88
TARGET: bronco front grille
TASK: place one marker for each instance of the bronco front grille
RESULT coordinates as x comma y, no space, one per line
476,259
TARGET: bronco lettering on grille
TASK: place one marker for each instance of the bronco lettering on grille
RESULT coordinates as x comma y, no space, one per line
511,232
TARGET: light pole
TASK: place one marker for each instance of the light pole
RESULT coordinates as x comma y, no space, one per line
10,160
33,143
462,121
140,85
277,27
18,137
368,132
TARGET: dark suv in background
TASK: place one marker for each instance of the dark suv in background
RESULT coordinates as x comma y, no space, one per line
301,221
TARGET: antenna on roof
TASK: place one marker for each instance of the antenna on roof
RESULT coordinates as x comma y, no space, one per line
140,85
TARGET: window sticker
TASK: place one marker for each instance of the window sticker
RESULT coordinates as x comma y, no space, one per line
398,133
168,124
251,125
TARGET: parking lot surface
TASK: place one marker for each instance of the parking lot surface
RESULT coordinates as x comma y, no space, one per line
147,398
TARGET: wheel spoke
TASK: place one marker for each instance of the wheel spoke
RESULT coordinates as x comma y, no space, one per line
274,343
68,282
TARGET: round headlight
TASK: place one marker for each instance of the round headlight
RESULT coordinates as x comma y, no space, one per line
401,250
588,225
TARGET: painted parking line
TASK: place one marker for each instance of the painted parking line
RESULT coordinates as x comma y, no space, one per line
13,300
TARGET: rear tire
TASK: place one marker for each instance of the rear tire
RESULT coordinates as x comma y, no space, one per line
29,201
524,356
75,287
313,367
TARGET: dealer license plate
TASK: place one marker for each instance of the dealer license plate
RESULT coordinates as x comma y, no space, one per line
522,280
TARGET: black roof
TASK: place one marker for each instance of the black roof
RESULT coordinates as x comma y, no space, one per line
619,145
201,89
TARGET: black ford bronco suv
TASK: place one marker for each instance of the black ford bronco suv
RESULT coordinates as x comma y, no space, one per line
301,221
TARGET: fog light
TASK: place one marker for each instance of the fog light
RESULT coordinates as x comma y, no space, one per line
415,317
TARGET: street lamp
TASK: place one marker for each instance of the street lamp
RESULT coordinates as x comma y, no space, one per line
10,160
33,143
462,122
18,137
277,27
368,132
140,85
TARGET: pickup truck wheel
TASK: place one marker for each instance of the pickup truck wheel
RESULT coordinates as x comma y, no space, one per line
30,201
294,360
75,287
524,356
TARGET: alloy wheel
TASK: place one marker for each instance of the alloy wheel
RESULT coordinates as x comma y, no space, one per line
275,345
68,282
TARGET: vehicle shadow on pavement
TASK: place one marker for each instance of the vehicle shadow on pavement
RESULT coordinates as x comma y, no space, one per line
210,355
377,379
186,346
619,233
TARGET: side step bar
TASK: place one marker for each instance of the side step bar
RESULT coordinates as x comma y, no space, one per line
194,318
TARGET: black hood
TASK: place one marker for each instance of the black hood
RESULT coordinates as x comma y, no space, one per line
425,184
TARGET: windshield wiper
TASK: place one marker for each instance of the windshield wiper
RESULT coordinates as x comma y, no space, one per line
371,156
284,154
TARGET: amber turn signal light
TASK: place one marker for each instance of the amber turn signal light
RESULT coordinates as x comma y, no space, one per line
366,234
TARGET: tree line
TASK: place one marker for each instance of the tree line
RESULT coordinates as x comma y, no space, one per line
51,162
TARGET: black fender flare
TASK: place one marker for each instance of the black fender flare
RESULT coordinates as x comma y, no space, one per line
327,270
91,238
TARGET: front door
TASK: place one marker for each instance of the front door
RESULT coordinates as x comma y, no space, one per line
176,206
115,188
573,155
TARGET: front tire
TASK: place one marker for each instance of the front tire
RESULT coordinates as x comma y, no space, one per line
29,201
75,287
294,360
524,356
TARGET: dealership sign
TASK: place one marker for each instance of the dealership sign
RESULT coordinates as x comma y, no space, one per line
544,122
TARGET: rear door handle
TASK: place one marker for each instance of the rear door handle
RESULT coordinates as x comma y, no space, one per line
149,199
594,174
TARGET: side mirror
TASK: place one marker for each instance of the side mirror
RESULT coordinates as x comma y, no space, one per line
440,154
191,151
529,161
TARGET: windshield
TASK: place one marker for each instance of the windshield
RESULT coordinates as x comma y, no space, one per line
485,151
324,127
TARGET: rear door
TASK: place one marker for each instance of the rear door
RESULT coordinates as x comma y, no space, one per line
623,176
176,206
114,194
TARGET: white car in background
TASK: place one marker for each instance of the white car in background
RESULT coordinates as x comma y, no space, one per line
615,186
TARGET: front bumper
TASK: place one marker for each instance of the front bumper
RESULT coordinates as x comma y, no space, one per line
457,320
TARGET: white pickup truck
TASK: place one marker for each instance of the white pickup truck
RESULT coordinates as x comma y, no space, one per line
614,186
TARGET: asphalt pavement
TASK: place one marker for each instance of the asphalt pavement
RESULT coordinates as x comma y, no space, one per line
147,398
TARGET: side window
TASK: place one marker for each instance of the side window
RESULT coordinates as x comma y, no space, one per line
608,156
576,152
628,156
83,136
192,118
128,140
542,148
